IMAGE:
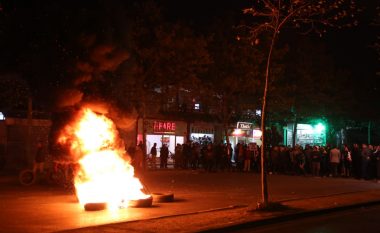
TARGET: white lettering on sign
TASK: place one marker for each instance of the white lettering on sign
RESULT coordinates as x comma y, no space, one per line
244,125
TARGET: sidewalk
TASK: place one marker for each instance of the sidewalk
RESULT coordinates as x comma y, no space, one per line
236,217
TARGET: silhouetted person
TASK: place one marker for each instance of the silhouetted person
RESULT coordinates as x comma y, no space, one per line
39,159
164,154
153,154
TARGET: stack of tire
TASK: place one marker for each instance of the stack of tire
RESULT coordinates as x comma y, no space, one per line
163,197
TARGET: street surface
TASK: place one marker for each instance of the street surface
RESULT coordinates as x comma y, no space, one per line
42,208
365,220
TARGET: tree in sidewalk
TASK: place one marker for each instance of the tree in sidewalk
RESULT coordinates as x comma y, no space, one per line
233,91
271,16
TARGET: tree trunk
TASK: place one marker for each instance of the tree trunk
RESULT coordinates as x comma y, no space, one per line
226,117
294,134
264,183
369,132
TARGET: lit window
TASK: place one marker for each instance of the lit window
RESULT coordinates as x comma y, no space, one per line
258,112
196,106
2,117
319,127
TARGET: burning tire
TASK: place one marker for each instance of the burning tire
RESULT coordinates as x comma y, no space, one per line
163,197
141,202
27,177
95,206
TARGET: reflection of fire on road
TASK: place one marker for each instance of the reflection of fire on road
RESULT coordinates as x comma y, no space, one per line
105,174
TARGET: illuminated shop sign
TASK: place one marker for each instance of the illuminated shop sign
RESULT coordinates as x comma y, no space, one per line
164,127
202,130
239,133
307,134
256,133
244,125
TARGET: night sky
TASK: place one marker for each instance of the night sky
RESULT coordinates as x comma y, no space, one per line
38,37
351,47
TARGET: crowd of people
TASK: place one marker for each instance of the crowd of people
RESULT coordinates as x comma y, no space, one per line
357,161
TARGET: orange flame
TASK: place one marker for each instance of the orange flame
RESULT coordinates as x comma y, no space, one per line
105,175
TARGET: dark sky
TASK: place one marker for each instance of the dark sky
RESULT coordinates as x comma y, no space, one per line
350,47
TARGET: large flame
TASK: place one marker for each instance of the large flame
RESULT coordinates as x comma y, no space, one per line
105,174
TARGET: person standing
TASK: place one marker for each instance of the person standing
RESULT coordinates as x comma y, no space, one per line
164,154
178,156
365,158
144,155
300,158
376,155
255,157
275,156
186,154
153,154
316,161
347,161
284,159
307,152
229,153
209,158
334,161
241,151
39,159
325,160
138,159
248,154
195,155
372,162
356,161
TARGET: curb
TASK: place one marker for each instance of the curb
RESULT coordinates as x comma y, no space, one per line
240,217
231,207
287,217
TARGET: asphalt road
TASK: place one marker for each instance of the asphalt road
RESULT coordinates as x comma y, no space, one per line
364,219
45,209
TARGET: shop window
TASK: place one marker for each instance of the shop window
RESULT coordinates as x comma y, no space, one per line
258,112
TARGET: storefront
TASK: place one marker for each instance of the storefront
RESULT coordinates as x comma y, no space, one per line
202,133
162,132
306,134
245,133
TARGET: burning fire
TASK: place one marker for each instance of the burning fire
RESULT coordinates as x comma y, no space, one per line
105,174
